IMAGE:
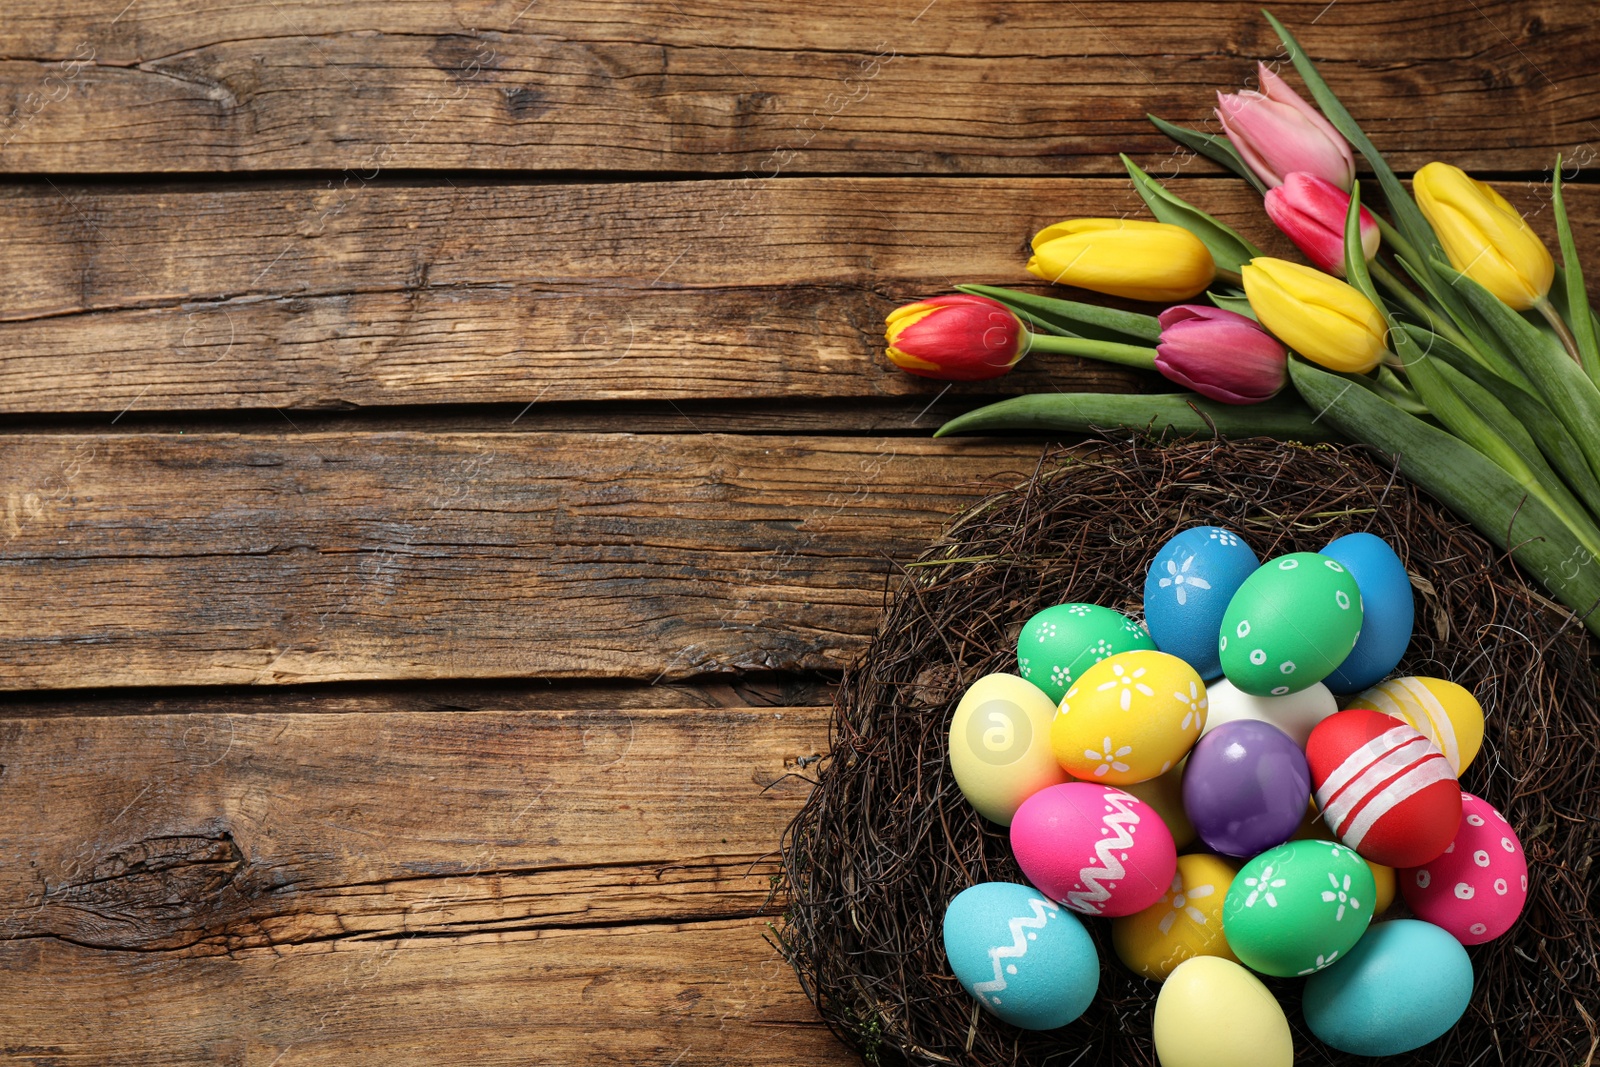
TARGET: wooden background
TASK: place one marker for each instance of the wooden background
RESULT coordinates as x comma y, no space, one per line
446,458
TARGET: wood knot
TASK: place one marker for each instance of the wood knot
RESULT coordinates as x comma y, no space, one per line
159,892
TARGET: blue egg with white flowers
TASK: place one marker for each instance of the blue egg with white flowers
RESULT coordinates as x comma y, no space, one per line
1187,589
1404,984
1021,955
1388,607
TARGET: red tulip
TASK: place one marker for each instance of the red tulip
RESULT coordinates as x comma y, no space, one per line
1277,133
958,338
1220,354
1311,212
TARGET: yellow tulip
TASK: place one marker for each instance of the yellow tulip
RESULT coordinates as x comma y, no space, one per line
1316,314
1483,236
1123,257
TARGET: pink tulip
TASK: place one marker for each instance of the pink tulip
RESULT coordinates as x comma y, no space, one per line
1278,133
1311,211
1220,354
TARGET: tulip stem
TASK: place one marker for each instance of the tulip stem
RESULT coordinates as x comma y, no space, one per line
1233,278
1553,317
1414,304
1105,351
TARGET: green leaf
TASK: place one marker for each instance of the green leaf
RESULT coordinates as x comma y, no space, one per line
1160,415
1579,318
1228,250
1466,482
1235,302
1215,148
1565,388
1070,313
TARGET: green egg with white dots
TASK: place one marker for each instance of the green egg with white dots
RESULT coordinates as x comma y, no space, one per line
1290,625
1061,642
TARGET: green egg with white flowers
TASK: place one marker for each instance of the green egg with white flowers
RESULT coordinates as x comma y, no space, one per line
1061,642
1290,625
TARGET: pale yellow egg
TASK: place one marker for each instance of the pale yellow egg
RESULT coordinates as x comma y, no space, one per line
1129,718
1165,794
1185,922
1000,745
1213,1013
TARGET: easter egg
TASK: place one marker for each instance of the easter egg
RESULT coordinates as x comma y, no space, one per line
1165,794
1211,1012
1000,750
1129,718
1406,983
1290,624
1185,922
1445,713
1246,787
1384,789
1476,888
1297,908
1383,877
1019,955
1388,610
1059,643
1296,714
1098,850
1187,588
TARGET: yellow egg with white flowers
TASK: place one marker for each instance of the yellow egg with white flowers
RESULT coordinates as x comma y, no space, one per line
1445,713
1129,718
1185,922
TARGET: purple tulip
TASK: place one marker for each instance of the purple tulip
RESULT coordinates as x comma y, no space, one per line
1311,211
1278,133
1220,354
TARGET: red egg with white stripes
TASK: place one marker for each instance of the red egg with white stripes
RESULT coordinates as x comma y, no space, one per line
1384,789
1095,848
1476,889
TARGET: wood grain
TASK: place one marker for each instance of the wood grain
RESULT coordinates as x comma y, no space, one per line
556,884
218,559
995,86
305,298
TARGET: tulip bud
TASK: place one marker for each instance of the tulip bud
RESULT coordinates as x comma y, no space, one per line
1152,261
1311,212
1278,133
1317,315
957,338
1483,236
1220,354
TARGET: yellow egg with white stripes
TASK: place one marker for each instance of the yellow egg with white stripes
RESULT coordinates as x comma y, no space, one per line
1129,718
1185,922
1443,712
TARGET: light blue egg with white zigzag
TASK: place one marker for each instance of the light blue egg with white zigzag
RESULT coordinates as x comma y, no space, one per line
1023,957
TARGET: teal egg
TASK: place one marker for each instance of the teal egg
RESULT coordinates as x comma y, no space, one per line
1298,908
1404,984
1060,643
1292,622
1019,954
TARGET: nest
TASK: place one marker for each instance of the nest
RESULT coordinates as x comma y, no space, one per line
886,839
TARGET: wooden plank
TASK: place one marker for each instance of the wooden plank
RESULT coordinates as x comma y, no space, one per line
215,559
293,298
709,993
560,886
204,833
993,86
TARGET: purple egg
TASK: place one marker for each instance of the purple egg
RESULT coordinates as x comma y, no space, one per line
1246,787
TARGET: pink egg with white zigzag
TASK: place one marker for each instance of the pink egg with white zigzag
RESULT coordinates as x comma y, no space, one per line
1096,849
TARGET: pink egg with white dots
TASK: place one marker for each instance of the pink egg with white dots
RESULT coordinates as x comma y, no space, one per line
1097,849
1477,888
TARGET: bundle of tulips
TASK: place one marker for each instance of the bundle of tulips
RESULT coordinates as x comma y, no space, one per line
1438,330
